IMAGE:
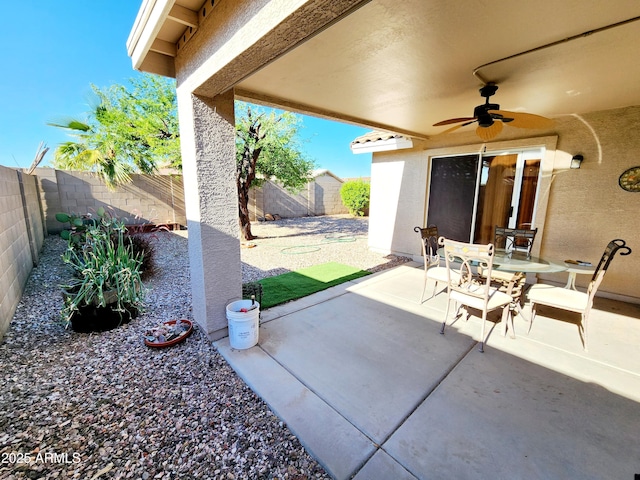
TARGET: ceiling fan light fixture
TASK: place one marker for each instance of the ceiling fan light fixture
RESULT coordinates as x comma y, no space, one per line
490,132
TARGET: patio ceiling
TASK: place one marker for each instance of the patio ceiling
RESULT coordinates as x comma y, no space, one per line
403,66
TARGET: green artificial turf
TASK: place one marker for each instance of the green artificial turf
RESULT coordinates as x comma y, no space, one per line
292,285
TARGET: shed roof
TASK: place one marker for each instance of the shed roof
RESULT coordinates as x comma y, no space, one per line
323,171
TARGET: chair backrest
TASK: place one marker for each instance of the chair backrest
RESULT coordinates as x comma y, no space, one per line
429,240
510,239
613,247
465,259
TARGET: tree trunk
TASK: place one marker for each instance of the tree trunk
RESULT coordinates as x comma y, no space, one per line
243,211
244,179
246,174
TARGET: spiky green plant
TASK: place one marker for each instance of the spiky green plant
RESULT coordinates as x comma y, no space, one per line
107,272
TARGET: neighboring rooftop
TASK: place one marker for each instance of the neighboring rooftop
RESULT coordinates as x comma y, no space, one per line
376,141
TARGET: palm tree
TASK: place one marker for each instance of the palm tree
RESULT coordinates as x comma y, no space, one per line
86,154
126,132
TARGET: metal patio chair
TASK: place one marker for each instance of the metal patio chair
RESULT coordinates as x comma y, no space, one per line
513,240
432,269
572,300
467,289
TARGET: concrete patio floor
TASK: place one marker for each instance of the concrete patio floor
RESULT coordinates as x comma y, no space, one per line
363,378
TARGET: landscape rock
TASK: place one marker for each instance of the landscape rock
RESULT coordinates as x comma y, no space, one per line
106,406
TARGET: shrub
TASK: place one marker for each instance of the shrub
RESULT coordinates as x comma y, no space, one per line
107,272
142,248
355,196
107,223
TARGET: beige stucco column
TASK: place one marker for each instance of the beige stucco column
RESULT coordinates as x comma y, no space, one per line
207,131
228,42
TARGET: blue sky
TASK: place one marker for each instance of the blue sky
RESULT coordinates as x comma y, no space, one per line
54,51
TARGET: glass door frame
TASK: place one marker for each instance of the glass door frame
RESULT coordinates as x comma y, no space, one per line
524,154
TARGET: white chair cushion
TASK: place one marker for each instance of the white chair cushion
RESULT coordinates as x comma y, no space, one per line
558,297
439,274
496,299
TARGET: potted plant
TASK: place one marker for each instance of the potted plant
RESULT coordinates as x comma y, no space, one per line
106,289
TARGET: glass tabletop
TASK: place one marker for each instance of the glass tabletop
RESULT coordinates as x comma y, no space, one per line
585,269
519,262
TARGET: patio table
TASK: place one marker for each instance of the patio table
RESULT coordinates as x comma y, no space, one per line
575,270
516,261
519,262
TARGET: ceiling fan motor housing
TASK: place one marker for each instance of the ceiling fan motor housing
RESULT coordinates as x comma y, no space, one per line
481,112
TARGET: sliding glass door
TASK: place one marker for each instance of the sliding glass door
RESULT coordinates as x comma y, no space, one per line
470,195
452,195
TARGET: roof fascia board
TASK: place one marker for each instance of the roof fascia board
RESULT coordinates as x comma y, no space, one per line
149,21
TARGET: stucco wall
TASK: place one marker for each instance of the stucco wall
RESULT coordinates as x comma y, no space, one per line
585,208
147,199
398,188
21,238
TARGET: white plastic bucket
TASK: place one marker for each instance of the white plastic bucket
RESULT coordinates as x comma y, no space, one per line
243,326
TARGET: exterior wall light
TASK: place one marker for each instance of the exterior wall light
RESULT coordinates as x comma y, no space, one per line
576,161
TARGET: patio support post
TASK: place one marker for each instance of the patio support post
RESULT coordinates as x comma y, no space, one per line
207,132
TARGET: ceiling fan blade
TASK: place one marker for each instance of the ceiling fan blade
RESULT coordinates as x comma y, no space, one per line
456,127
525,120
487,133
453,120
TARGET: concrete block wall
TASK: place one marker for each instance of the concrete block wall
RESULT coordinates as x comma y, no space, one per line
28,204
278,200
20,238
327,195
155,199
49,197
272,198
33,213
256,204
321,196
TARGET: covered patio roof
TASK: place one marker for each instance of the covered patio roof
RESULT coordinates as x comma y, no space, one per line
403,66
400,67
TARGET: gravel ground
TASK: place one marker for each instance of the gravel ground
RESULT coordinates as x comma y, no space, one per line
105,406
290,244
